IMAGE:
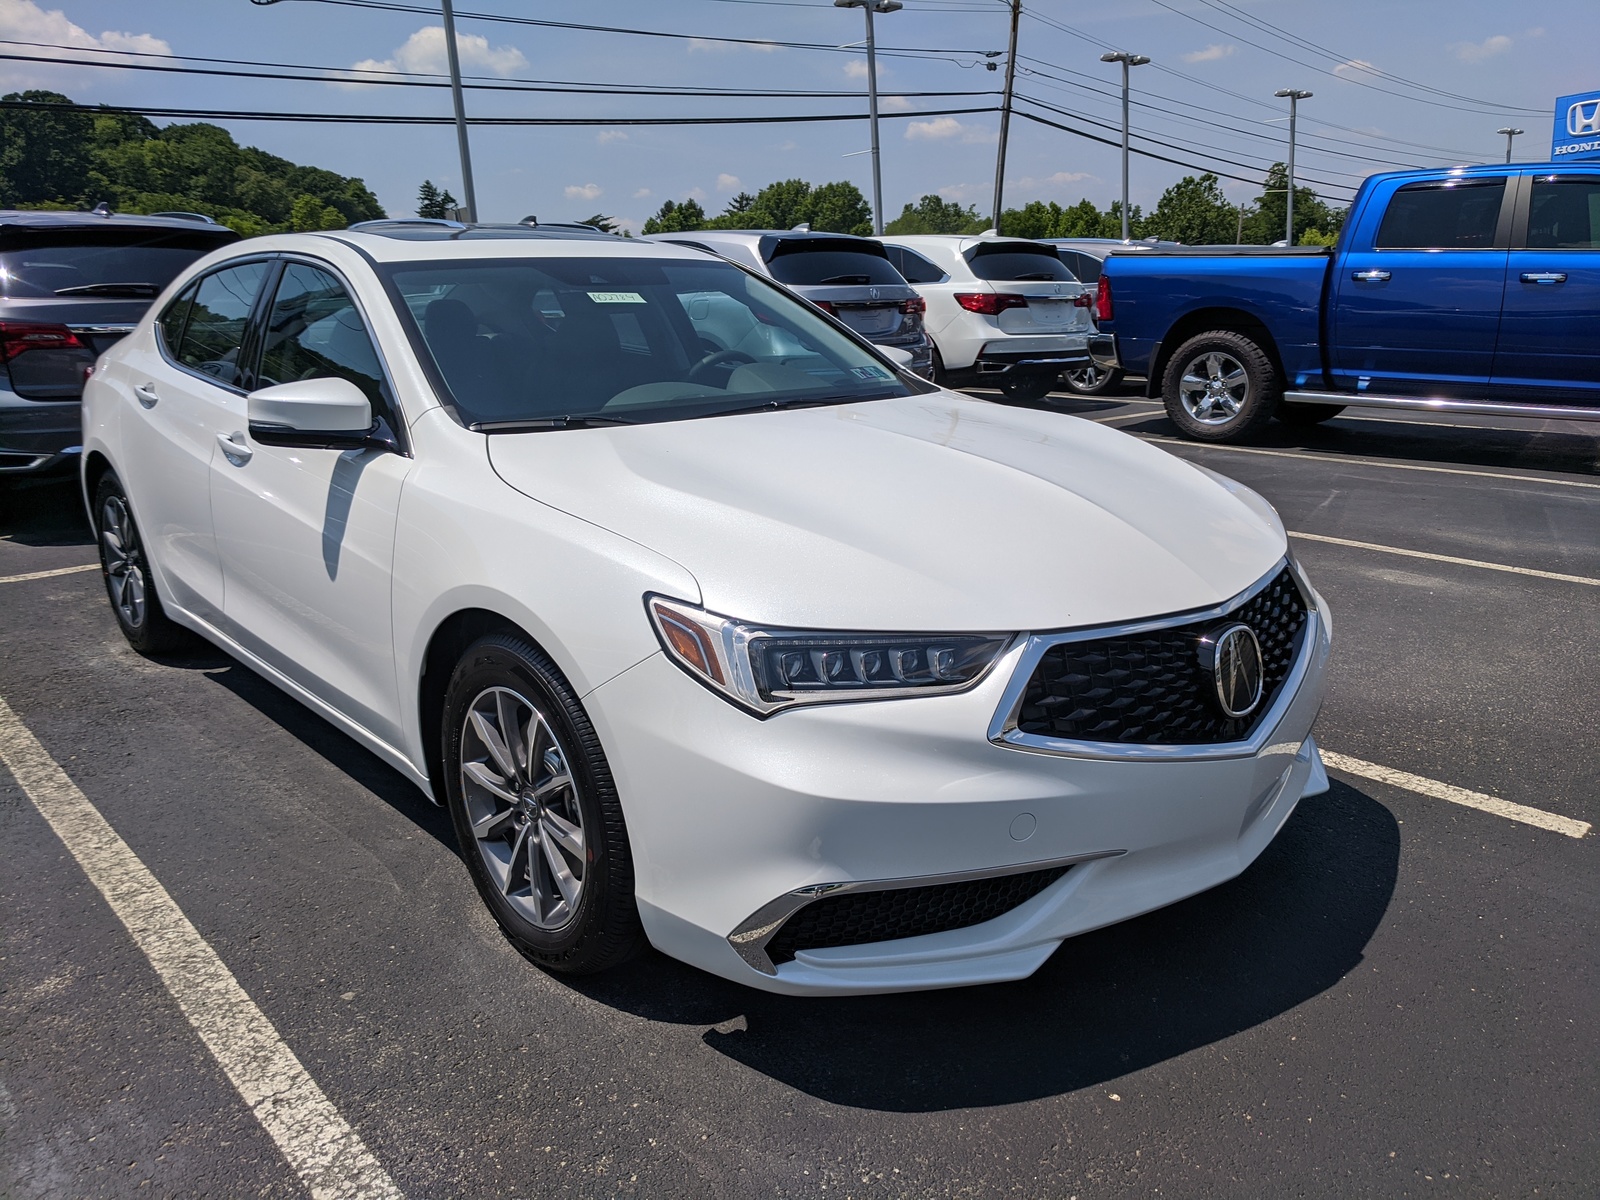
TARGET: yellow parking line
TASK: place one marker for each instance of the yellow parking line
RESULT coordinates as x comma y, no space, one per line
48,574
1446,558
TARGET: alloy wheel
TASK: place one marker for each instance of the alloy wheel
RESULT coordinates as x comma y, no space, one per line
1214,388
124,560
522,803
1086,379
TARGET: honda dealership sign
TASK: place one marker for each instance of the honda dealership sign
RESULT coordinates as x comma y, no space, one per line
1577,132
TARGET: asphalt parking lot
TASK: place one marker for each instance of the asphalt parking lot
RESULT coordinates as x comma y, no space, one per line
1398,999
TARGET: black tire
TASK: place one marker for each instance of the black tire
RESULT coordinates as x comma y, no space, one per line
1240,389
1303,415
1092,381
1032,386
940,375
125,567
599,927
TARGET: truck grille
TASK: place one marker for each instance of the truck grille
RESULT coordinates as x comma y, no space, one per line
856,918
1150,689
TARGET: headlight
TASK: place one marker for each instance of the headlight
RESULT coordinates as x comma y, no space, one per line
765,670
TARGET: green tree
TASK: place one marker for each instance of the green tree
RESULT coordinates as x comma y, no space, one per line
1195,211
1266,224
781,205
601,222
309,214
935,214
434,202
45,157
839,208
673,217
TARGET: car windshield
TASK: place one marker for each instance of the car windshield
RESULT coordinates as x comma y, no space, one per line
536,342
115,263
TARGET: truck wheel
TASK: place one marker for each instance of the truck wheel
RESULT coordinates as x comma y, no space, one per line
1220,386
1307,414
1026,387
1092,381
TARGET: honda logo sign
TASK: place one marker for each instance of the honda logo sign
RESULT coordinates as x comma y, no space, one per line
1577,128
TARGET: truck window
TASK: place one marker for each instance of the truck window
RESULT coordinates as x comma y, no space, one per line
1564,214
1457,214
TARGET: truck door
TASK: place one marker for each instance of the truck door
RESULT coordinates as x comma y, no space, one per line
1418,293
1548,348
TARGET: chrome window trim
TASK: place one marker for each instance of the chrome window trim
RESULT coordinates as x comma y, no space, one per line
749,940
1003,729
169,354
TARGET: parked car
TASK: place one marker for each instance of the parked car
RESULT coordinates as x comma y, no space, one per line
1472,289
849,278
1002,312
1084,258
817,676
71,284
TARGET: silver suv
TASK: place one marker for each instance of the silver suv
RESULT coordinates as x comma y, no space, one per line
850,278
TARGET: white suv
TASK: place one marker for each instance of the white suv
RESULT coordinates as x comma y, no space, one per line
1001,311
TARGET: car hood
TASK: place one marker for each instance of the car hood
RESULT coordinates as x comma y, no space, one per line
929,512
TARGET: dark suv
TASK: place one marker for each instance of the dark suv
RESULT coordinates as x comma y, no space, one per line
71,284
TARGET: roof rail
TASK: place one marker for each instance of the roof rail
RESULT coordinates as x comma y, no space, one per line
388,221
187,216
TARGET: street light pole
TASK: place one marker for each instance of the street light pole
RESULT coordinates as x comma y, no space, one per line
1509,133
1127,60
1294,95
1005,115
869,7
455,92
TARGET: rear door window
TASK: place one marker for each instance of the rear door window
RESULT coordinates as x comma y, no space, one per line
804,262
173,318
1012,264
917,269
1459,214
1564,214
218,319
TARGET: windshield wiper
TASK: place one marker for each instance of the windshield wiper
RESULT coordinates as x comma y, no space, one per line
847,279
1040,276
110,289
535,423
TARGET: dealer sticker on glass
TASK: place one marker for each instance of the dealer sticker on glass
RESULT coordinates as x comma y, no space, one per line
870,372
616,297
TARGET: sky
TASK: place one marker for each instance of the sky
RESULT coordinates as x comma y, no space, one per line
1395,83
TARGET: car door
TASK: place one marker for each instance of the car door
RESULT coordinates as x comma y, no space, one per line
1548,348
187,388
1416,304
306,536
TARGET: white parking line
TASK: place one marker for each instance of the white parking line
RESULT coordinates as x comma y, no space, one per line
1366,462
1456,795
49,574
328,1155
1445,558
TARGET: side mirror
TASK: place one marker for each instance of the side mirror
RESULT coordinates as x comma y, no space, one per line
900,358
331,414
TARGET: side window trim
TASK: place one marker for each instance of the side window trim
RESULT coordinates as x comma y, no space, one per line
185,298
1511,190
170,356
398,422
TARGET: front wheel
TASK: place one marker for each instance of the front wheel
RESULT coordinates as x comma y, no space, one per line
126,569
1026,387
1092,380
1220,386
535,809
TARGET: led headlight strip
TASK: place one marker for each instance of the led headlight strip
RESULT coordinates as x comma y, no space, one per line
765,670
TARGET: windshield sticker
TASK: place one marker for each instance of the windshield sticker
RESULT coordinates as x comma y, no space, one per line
870,372
616,297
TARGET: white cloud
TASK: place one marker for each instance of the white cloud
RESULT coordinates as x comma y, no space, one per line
425,51
706,46
856,68
1476,52
895,104
727,183
583,191
643,193
695,194
606,136
1354,66
1210,54
25,21
936,130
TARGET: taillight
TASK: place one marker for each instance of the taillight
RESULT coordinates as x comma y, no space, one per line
915,306
18,337
1102,300
990,304
1083,300
826,306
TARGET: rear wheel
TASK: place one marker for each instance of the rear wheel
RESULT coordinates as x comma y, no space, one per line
536,811
1092,380
1307,414
1220,386
134,600
940,375
1026,387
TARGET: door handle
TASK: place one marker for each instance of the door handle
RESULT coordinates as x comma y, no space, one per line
235,447
146,394
1372,276
1545,277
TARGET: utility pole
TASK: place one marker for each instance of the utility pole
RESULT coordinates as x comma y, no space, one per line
1294,96
869,7
1509,133
1005,114
1127,60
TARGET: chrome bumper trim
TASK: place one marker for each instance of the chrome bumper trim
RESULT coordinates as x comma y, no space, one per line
1504,408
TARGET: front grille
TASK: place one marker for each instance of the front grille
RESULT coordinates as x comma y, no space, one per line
1150,689
857,918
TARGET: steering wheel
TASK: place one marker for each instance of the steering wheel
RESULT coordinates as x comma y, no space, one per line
718,358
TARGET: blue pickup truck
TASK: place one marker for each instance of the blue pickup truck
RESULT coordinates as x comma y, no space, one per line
1473,289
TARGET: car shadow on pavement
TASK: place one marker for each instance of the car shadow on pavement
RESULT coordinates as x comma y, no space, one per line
1107,1004
44,511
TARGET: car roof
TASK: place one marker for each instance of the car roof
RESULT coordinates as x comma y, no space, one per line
12,218
415,240
746,237
959,241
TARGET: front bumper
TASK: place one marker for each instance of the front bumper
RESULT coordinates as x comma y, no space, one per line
38,436
733,819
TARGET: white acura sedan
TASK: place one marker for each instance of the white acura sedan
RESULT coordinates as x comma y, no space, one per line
805,671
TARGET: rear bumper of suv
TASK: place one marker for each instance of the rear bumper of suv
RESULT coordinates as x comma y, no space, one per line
37,436
1050,356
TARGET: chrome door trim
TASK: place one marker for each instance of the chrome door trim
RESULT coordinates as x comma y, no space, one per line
1504,408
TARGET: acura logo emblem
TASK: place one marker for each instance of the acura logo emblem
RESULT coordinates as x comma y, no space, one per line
1233,657
872,293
